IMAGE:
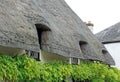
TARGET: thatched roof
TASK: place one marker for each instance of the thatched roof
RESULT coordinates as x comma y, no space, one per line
67,31
110,35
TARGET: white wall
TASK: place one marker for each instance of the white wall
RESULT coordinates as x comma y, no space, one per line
50,57
114,50
11,51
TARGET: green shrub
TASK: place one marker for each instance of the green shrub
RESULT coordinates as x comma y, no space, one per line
81,72
24,68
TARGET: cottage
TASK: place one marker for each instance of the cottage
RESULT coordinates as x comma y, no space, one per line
110,37
48,30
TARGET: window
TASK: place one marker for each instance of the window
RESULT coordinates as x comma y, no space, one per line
42,37
33,54
84,47
42,33
104,52
74,61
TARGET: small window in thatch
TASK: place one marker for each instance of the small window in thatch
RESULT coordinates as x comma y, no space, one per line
42,36
84,47
104,52
42,33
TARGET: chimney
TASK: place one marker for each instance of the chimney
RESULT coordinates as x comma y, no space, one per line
90,25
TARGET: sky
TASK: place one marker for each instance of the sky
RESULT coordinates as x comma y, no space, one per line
102,13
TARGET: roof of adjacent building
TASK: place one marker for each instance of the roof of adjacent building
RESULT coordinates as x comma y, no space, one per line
67,30
110,35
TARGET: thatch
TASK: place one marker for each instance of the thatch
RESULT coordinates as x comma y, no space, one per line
110,35
67,30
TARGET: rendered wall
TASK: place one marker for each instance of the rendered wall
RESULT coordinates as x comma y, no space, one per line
11,51
49,57
114,50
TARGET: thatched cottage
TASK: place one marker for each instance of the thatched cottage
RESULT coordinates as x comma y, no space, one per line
110,37
50,26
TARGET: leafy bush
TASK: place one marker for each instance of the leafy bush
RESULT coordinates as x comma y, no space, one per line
24,68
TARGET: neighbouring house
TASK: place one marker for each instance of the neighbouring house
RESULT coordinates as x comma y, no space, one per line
110,37
47,30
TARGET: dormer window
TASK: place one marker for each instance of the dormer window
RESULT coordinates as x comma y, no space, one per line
84,47
104,52
42,32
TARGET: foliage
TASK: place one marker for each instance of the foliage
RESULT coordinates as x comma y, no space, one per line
24,68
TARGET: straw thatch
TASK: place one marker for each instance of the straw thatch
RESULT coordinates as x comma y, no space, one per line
110,35
65,33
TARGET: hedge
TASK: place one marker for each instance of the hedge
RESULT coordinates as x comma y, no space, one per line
26,69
